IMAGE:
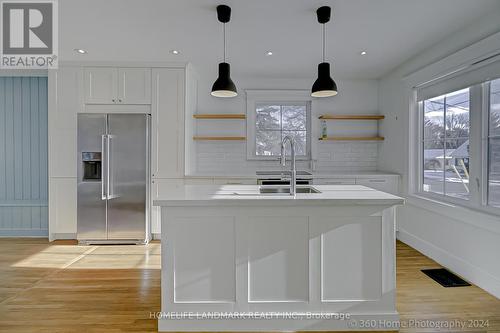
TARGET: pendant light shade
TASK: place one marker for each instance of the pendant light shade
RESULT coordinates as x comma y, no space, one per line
324,86
224,86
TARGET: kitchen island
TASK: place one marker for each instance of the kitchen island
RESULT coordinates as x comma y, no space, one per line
236,259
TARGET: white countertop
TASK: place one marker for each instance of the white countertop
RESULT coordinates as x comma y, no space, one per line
319,174
235,195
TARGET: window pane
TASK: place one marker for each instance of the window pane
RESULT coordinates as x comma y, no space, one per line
294,117
300,142
494,145
434,119
457,168
433,166
268,117
494,173
268,143
457,114
495,107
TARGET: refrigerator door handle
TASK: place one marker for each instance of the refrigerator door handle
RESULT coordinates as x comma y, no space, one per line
109,195
110,178
104,159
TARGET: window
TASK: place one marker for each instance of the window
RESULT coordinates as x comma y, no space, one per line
274,114
274,121
494,143
445,145
459,145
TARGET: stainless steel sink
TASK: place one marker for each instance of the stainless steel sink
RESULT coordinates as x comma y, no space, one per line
286,190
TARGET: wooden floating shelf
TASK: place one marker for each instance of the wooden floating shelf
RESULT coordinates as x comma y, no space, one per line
351,117
219,116
353,138
219,138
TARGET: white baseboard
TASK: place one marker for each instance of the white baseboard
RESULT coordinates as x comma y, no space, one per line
468,271
320,322
69,235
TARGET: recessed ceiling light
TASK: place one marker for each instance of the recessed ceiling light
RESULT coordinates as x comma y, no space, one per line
269,53
363,53
80,51
175,52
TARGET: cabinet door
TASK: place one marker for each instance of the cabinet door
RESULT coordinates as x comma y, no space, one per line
168,123
134,86
101,85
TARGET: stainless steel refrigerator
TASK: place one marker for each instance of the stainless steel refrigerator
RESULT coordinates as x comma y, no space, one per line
113,178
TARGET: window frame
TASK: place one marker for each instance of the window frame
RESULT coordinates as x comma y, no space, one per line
478,153
280,97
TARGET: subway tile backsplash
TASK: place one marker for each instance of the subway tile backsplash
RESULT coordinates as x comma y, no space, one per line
230,158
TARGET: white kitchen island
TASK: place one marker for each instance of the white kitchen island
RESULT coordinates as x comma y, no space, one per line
237,260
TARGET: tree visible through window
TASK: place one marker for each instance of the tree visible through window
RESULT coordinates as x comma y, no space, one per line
446,144
274,121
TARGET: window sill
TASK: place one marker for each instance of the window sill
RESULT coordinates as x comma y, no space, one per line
476,217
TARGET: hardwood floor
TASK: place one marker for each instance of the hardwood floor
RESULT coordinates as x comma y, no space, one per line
62,287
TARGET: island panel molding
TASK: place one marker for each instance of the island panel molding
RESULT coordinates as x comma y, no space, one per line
289,234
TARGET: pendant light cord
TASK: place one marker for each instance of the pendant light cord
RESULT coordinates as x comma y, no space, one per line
224,29
324,41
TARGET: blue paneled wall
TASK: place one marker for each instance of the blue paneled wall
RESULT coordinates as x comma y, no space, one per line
23,156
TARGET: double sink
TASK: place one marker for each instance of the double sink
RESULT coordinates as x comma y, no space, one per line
286,189
275,182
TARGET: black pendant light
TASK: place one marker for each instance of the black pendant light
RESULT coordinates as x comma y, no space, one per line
324,86
224,86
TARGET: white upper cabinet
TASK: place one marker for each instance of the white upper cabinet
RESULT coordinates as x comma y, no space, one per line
168,123
134,85
101,85
111,85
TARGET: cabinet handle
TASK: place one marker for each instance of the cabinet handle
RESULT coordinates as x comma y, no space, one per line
120,100
113,100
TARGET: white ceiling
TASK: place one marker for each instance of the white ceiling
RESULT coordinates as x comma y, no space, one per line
391,31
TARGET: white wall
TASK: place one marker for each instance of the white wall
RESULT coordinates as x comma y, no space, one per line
470,251
216,157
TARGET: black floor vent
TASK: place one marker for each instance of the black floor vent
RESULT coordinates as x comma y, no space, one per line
445,277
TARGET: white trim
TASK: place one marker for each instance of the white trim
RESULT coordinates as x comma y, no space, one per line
458,212
254,97
470,272
301,322
60,235
152,64
456,61
478,154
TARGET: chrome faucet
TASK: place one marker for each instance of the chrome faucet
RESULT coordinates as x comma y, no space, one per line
293,176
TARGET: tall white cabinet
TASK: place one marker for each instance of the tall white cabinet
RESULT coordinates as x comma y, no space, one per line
78,88
168,113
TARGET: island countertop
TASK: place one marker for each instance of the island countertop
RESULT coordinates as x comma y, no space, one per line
248,195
